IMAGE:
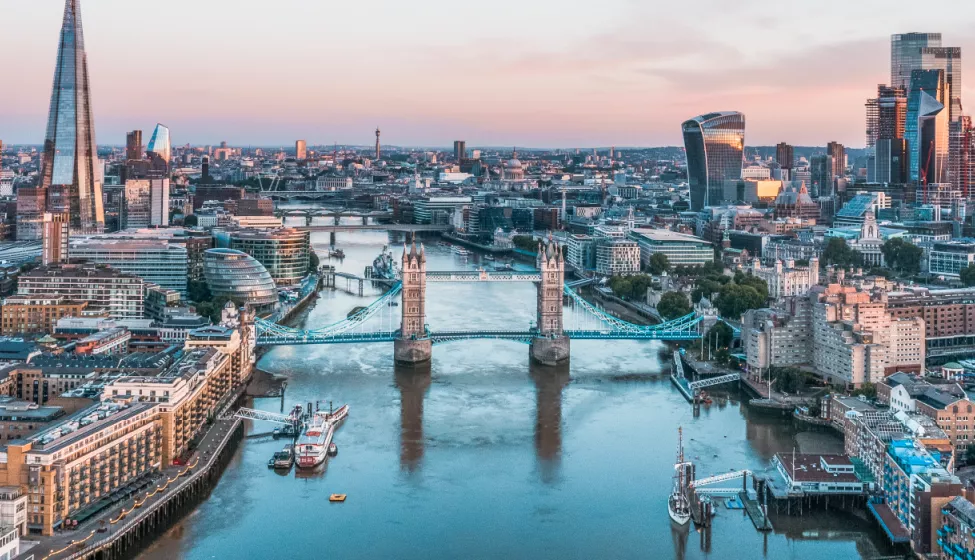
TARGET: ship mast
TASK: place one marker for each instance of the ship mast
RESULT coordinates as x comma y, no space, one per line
680,444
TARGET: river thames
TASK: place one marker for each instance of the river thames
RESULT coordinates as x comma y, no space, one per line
482,455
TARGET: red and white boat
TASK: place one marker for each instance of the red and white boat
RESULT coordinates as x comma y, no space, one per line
311,449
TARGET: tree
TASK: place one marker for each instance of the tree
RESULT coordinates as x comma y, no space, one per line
902,256
673,305
191,220
838,253
198,291
659,263
967,275
721,335
787,379
735,299
313,262
525,243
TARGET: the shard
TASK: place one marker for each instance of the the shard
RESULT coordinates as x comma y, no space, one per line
70,159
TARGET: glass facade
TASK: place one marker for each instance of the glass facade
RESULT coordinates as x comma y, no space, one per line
285,253
160,144
70,160
926,127
240,277
155,261
905,55
714,144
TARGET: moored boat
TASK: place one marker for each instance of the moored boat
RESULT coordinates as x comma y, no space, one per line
678,506
312,446
284,459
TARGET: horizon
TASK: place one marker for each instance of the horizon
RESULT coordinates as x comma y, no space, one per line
541,75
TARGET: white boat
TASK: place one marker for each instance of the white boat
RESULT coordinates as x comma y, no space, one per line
461,251
311,449
677,505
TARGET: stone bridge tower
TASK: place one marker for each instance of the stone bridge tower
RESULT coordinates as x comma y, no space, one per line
550,347
413,346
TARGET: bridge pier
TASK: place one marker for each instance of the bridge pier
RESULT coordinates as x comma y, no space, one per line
550,351
412,352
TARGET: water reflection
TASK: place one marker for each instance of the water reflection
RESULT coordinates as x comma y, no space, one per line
679,534
549,383
413,383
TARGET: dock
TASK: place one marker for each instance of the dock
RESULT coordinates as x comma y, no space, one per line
755,512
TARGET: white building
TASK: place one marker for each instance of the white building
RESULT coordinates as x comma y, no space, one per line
680,248
159,202
785,280
870,243
617,257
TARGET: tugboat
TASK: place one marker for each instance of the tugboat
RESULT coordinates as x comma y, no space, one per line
336,254
677,506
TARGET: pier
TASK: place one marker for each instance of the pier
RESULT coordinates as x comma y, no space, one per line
692,389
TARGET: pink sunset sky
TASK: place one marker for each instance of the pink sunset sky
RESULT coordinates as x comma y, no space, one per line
542,73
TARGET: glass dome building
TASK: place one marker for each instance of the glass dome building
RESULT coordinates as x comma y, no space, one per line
239,276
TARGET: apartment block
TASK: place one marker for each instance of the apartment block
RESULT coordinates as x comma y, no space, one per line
36,314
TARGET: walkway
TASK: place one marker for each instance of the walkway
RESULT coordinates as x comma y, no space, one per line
64,544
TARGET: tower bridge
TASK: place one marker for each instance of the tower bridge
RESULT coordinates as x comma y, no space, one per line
548,337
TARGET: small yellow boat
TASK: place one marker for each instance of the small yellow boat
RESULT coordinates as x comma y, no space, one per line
337,498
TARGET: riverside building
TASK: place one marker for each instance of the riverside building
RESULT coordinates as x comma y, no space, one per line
121,295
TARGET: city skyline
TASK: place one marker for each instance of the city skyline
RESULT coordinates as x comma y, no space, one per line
630,75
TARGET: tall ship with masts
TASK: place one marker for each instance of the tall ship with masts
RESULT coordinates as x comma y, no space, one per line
678,505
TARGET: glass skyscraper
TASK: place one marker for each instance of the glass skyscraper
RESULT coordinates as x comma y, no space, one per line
714,144
926,127
905,55
70,159
160,144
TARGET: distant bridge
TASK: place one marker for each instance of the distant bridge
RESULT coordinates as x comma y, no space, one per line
375,227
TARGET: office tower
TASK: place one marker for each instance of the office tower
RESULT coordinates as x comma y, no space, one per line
714,144
136,208
926,128
960,161
301,150
378,152
785,155
133,145
31,203
460,150
160,150
905,55
886,114
70,160
159,201
821,170
838,152
890,161
948,60
54,238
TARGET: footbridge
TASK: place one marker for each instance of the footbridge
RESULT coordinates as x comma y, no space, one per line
548,336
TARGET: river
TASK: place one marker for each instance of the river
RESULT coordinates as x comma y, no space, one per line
482,455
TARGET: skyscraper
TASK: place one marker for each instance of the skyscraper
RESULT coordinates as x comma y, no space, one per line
378,151
460,150
926,128
161,148
714,144
133,145
821,175
70,159
948,60
785,155
301,150
905,55
838,152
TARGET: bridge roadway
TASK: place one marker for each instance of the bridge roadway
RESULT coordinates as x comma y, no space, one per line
374,227
442,337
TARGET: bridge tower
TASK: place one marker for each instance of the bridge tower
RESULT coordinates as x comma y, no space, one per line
550,347
413,346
